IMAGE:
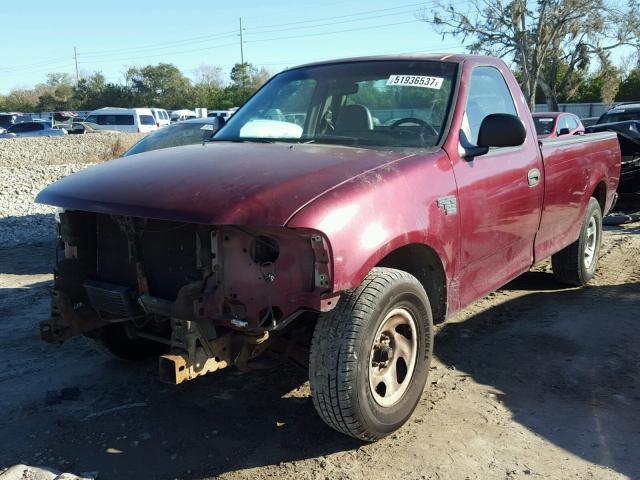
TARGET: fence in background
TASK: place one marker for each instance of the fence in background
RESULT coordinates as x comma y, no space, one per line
582,110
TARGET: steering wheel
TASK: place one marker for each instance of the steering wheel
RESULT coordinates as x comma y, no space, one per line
428,129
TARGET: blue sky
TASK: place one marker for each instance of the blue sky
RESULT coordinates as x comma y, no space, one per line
112,35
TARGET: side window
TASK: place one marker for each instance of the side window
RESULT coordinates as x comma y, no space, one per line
573,122
123,120
27,127
563,122
147,120
488,94
91,119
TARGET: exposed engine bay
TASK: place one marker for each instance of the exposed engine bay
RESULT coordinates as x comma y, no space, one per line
212,296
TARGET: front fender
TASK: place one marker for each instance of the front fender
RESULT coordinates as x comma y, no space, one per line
374,214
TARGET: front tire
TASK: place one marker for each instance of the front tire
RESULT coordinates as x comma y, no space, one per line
370,356
576,264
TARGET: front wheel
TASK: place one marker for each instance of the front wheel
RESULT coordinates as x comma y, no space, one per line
576,264
370,356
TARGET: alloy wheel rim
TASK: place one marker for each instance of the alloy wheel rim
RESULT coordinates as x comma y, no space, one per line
392,359
591,242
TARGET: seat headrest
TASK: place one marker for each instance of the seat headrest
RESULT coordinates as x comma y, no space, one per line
354,118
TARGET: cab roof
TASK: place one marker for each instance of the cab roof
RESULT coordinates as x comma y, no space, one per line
434,57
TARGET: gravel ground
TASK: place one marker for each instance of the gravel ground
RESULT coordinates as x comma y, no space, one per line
27,165
90,148
535,381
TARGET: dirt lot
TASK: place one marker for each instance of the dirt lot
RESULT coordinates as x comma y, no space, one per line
534,381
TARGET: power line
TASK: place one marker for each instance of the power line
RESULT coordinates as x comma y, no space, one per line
322,19
147,51
305,27
155,47
44,69
368,27
128,59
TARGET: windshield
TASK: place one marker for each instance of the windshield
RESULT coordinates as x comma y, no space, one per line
6,120
174,135
544,125
375,103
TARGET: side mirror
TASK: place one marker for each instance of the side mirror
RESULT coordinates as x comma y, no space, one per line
564,131
496,130
501,130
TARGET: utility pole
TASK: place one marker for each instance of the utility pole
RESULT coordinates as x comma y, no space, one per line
241,42
75,56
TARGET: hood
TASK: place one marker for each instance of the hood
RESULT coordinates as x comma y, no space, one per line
216,183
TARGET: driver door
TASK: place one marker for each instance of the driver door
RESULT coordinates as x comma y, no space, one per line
499,205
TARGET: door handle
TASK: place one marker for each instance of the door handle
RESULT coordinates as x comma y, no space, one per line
533,177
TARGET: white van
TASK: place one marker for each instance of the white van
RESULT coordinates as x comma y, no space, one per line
131,120
161,116
180,115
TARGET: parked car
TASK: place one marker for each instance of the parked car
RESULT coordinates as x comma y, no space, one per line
131,120
181,115
624,119
9,118
34,128
188,132
82,127
555,124
621,113
588,121
161,116
352,236
219,113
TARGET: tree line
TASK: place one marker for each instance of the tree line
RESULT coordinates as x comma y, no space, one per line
162,86
560,50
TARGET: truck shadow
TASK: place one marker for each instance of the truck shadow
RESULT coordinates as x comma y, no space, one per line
23,254
570,377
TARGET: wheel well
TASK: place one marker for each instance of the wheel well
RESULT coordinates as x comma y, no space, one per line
423,263
600,194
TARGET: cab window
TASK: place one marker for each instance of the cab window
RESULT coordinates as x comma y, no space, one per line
563,122
488,93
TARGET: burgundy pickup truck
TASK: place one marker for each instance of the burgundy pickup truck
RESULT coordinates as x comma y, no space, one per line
349,205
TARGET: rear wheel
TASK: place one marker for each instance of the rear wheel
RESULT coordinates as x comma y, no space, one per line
577,263
370,355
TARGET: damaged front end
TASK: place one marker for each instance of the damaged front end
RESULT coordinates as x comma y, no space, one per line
214,295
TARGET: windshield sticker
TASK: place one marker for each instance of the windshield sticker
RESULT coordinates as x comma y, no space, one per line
416,81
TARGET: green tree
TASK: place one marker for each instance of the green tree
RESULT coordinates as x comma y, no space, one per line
88,91
161,85
245,80
20,100
56,93
629,90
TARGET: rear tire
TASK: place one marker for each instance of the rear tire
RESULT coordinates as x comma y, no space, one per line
576,264
370,356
